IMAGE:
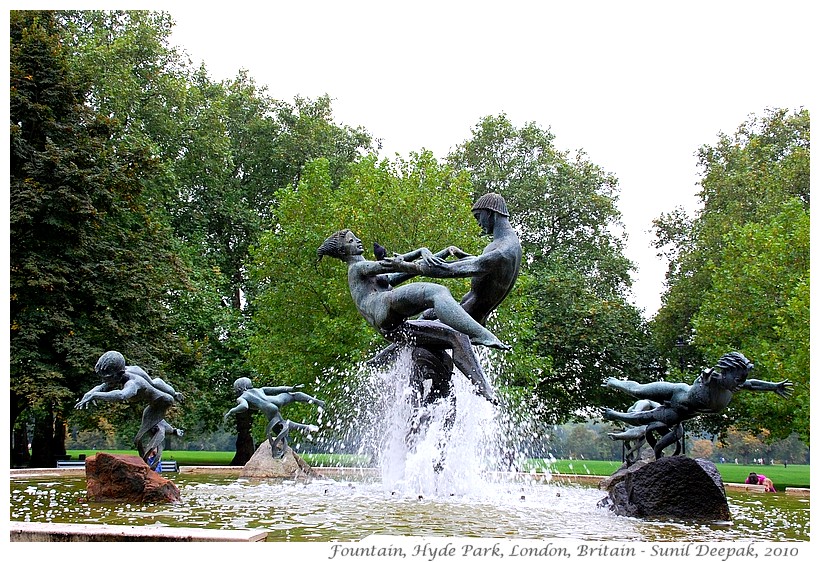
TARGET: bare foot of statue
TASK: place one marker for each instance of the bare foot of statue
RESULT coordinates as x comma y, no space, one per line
492,342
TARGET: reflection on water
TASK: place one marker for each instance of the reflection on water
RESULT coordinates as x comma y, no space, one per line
325,510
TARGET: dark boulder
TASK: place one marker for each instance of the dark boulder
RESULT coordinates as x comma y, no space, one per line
674,487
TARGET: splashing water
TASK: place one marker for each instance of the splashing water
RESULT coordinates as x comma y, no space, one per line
449,447
464,497
456,441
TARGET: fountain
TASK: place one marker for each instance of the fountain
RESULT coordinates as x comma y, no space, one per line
405,497
440,470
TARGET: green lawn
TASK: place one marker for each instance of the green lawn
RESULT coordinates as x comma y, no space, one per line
793,476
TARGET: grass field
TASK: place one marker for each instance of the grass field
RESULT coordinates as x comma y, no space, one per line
793,476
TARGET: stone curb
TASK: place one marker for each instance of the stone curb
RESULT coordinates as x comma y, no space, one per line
82,532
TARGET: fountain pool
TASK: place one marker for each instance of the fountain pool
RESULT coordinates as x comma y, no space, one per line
447,480
350,510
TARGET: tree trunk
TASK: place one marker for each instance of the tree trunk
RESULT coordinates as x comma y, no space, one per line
42,443
244,440
20,455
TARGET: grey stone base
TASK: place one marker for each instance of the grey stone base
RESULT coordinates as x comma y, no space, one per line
263,465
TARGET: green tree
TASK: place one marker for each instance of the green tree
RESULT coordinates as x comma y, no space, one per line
759,302
738,274
246,149
224,149
571,301
90,269
306,326
134,77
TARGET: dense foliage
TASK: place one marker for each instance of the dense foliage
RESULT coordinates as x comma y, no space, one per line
91,268
739,269
175,218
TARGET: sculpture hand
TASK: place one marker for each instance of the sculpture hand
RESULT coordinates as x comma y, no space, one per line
397,263
607,381
429,259
609,414
179,397
784,388
179,432
85,402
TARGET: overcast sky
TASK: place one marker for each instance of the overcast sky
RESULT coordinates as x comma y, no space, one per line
638,85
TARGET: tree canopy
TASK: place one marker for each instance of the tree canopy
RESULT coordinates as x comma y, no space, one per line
175,218
739,270
90,268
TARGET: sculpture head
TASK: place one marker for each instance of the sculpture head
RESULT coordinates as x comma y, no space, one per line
340,244
242,384
492,202
110,365
734,370
485,208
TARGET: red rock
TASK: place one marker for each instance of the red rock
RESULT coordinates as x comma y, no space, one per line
126,478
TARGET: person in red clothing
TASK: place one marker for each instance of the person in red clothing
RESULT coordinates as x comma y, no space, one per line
761,480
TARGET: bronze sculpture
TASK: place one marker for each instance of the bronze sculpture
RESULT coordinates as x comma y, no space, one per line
492,275
675,403
157,441
269,400
388,308
123,382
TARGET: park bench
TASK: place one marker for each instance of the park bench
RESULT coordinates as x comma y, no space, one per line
167,466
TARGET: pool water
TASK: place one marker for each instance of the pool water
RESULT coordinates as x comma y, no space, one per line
327,509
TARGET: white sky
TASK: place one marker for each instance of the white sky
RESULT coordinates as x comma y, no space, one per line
638,85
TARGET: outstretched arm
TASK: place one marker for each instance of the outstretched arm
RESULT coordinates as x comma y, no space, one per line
241,406
407,268
88,397
782,388
127,392
469,266
168,428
